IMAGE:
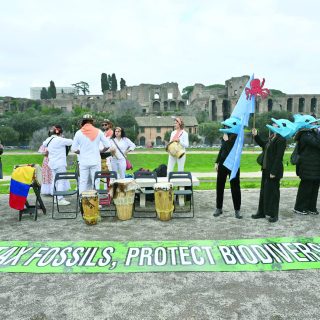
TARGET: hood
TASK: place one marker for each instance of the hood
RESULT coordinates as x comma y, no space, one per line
231,125
285,129
304,121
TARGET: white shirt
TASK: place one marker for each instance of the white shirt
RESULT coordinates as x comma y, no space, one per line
124,144
56,146
89,150
184,138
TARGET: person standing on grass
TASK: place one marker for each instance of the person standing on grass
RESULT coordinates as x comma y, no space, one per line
181,136
231,127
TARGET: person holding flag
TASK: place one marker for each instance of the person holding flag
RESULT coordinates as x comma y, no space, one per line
230,131
241,112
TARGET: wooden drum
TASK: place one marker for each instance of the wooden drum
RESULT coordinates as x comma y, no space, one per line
175,149
163,196
90,207
123,197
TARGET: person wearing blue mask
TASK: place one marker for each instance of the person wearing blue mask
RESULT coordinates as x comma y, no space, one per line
231,128
272,167
308,166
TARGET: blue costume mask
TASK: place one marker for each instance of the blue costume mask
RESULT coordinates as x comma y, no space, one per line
285,129
305,121
231,125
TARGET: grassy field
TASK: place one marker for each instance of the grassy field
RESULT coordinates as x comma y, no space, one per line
195,162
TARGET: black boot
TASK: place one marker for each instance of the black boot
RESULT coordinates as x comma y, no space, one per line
218,213
238,214
258,216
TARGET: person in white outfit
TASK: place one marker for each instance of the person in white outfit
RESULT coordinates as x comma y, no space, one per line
120,146
56,146
181,136
86,143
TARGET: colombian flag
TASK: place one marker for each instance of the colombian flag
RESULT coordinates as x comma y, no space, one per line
21,180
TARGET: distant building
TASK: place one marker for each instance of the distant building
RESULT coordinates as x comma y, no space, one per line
152,129
35,92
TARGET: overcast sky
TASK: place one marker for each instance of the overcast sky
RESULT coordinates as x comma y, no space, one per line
148,41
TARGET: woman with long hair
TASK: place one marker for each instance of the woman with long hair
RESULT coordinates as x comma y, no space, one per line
120,146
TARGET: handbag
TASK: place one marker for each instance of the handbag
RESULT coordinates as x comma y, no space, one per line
129,165
295,157
260,159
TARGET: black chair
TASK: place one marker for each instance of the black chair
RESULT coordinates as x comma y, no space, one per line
104,176
143,193
72,177
180,190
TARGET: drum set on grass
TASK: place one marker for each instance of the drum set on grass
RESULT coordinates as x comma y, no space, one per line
123,194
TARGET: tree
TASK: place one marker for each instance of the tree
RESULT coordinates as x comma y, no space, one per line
122,83
167,136
210,131
114,83
186,92
81,86
104,82
8,135
52,91
43,93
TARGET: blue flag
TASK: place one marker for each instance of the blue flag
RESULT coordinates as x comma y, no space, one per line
242,111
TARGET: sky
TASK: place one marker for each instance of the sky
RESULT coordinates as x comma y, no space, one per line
158,41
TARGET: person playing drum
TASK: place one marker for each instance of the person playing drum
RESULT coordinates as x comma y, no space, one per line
180,136
56,146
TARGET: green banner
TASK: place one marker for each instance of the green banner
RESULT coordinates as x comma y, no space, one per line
272,254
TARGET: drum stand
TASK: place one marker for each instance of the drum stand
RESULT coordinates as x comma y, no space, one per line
30,209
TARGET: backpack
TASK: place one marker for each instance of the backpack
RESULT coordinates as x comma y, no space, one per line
161,171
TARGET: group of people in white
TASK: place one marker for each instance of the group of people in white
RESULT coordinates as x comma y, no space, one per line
89,143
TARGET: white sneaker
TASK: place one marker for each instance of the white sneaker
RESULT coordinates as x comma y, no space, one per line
63,202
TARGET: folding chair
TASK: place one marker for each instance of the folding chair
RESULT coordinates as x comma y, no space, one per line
105,175
145,180
72,177
180,180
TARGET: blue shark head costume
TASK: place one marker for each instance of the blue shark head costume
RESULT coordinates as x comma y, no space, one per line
305,122
285,128
231,125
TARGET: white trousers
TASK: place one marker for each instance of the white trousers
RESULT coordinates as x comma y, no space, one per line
119,165
61,185
173,160
87,177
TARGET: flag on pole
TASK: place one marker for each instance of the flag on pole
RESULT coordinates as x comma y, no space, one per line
242,111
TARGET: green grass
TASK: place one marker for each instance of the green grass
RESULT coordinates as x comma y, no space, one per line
246,183
194,163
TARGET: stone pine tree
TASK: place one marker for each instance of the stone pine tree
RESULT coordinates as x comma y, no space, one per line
122,83
104,82
114,84
43,93
81,86
52,91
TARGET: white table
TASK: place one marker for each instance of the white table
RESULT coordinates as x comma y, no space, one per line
181,183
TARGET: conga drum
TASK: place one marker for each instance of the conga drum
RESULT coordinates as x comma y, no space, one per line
163,196
90,207
175,149
123,197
